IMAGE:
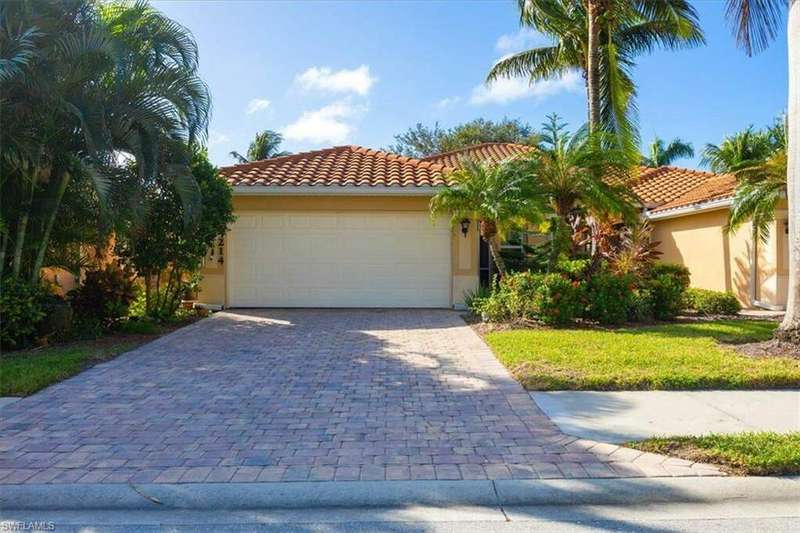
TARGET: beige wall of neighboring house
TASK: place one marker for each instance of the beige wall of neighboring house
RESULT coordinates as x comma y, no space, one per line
463,250
723,261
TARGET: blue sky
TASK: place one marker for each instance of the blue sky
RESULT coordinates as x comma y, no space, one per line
359,72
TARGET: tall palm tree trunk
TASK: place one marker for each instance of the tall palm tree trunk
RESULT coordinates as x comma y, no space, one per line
593,63
790,327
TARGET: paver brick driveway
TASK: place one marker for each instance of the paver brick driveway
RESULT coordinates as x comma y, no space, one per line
279,395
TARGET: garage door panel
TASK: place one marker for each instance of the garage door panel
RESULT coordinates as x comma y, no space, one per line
327,259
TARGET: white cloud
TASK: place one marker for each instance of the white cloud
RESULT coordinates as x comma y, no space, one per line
216,137
257,104
449,101
329,124
524,39
357,80
506,90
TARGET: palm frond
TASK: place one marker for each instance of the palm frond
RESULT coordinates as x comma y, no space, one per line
755,23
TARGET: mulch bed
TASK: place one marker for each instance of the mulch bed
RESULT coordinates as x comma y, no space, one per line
770,348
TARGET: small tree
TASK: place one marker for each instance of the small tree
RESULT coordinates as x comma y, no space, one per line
495,196
569,170
163,247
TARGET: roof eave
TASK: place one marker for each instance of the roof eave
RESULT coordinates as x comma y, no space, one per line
713,205
334,190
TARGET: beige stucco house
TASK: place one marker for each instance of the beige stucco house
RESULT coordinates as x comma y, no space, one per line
350,227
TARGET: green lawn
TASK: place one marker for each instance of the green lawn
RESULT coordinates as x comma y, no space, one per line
749,454
662,357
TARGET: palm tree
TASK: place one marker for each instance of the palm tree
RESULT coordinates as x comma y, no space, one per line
494,196
661,154
755,24
757,158
568,170
759,188
601,38
746,148
85,84
264,146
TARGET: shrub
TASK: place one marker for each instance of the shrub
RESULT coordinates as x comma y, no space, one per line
666,289
474,298
711,302
609,297
550,298
575,269
104,296
21,311
557,299
640,305
678,272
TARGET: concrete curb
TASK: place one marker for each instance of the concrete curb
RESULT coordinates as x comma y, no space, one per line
306,495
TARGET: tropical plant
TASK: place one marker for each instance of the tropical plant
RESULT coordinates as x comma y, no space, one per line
568,169
601,39
495,196
163,250
423,141
104,295
660,154
265,145
636,251
85,87
747,148
755,24
759,188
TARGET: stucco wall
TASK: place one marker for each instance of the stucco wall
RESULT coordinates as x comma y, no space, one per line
721,261
464,251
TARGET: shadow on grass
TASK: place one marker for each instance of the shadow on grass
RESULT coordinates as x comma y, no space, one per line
723,331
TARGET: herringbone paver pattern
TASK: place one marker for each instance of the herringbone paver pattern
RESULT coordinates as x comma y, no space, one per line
303,395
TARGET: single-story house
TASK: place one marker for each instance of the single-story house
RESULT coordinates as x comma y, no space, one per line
350,227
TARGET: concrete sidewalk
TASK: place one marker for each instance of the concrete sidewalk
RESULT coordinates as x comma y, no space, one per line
634,415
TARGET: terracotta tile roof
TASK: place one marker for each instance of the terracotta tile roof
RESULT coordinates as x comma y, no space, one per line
491,152
716,187
339,166
658,186
655,187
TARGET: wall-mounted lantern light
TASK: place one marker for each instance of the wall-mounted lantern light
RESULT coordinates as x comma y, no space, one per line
464,226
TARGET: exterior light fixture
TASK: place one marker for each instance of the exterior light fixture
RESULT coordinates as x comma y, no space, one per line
465,226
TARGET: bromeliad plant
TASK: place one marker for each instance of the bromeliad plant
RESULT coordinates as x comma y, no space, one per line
496,196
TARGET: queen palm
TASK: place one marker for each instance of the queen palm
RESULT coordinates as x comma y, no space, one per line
265,145
568,170
493,195
601,38
660,153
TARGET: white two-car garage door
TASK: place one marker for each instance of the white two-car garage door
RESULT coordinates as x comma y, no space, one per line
338,259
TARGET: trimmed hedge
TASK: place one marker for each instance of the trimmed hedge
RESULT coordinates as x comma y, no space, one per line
710,302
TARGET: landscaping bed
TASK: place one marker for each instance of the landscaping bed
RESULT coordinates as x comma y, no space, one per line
25,372
674,356
747,454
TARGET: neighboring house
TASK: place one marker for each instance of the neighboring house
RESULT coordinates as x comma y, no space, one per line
350,227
